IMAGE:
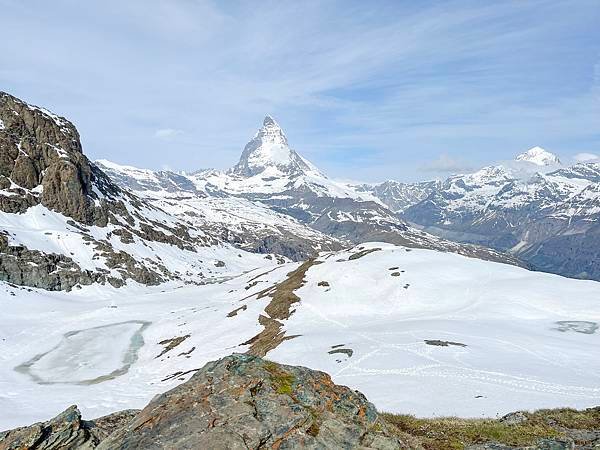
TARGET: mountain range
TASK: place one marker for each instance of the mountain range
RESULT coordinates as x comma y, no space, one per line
534,208
272,181
119,283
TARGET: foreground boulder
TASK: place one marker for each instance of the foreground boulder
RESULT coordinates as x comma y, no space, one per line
238,402
244,402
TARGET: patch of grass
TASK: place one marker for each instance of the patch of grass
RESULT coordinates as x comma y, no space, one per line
587,419
315,426
455,433
279,308
281,380
170,344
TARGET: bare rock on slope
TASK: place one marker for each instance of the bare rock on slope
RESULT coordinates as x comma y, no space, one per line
67,431
41,161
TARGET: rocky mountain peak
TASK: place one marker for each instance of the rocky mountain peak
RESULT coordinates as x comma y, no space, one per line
41,162
269,121
539,156
268,153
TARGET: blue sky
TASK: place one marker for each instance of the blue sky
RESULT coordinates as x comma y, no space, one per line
366,90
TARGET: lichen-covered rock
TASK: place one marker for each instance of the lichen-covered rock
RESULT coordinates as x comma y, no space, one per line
243,401
67,431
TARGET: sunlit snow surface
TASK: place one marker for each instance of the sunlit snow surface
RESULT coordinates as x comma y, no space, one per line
529,340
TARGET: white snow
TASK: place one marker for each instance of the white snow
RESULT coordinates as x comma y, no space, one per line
516,356
539,156
47,231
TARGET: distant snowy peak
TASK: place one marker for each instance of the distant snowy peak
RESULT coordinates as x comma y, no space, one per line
539,156
268,153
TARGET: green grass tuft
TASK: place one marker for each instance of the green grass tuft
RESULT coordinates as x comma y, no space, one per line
455,433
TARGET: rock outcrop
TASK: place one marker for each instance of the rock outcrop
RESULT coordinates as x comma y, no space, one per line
67,431
42,165
41,161
238,402
54,272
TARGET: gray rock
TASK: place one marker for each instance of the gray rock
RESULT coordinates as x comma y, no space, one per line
67,431
514,418
243,402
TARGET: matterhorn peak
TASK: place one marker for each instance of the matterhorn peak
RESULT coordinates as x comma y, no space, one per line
539,156
269,121
268,153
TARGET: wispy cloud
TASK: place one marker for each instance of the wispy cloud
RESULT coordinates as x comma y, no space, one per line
445,164
167,133
405,81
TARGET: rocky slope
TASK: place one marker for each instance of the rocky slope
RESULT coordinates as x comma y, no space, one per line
545,214
64,223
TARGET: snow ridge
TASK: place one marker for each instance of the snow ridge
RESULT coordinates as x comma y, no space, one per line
539,156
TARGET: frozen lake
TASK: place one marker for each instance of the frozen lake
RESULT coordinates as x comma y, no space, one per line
89,356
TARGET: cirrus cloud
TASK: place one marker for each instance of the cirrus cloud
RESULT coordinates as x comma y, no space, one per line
167,133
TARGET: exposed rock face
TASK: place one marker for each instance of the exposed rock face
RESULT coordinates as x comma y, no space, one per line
67,431
42,165
238,402
41,161
24,267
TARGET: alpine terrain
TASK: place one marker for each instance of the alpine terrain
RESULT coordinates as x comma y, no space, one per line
271,180
208,289
536,209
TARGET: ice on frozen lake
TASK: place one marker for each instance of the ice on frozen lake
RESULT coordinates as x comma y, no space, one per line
89,356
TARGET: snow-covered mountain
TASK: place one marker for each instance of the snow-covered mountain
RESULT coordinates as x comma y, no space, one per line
64,223
117,283
269,155
271,173
539,156
239,221
398,196
547,217
269,167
